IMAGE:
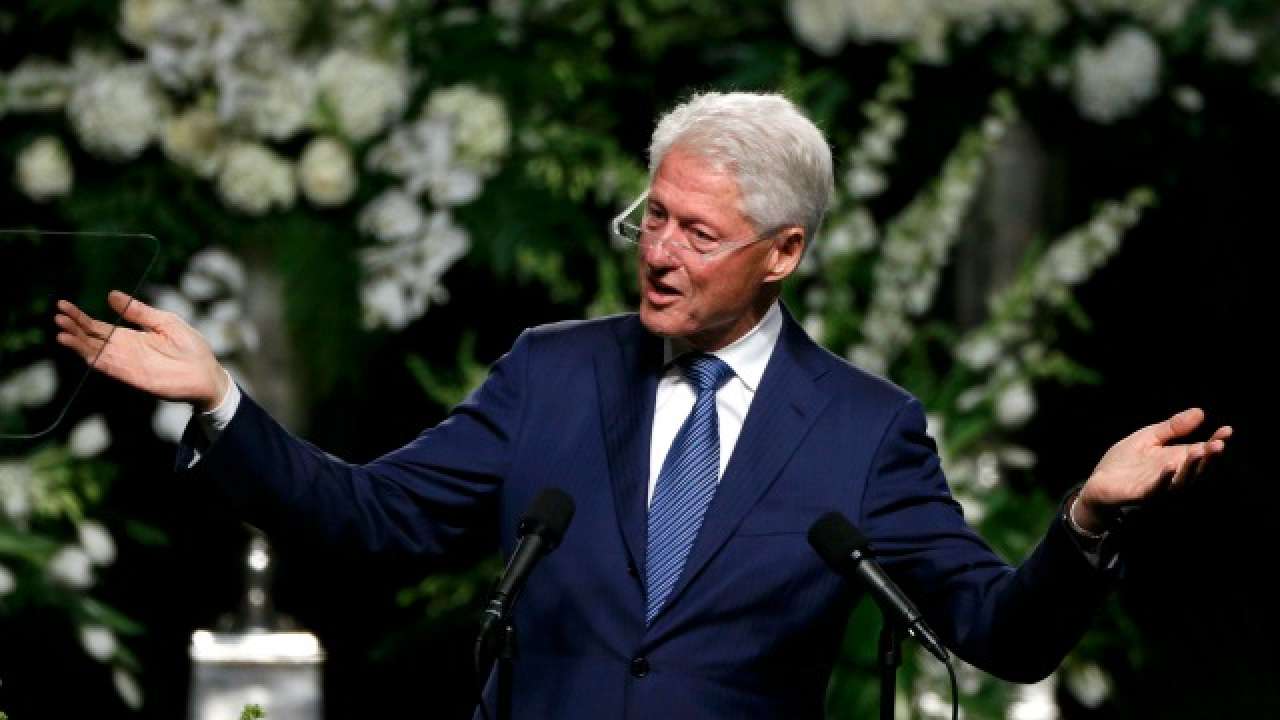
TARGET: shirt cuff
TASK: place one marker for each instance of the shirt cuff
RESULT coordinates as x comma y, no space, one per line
213,422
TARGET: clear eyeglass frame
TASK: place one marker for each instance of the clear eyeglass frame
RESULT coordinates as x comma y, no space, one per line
629,233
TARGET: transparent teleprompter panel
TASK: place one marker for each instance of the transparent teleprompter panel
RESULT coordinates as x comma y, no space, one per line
42,382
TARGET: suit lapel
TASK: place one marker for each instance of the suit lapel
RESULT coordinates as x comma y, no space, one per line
627,378
785,406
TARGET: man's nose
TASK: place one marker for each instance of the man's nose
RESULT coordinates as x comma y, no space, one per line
656,248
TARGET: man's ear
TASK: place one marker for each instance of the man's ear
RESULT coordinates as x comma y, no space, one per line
784,256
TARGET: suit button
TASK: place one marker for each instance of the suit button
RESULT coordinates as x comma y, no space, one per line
639,667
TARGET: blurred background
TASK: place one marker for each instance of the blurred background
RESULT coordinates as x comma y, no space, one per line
1051,225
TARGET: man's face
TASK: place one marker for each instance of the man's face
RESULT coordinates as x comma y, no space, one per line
709,303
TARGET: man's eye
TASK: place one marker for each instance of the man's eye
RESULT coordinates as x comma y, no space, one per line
702,238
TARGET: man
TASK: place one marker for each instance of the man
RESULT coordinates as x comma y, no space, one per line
699,438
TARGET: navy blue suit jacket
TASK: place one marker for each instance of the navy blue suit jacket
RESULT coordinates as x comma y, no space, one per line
753,626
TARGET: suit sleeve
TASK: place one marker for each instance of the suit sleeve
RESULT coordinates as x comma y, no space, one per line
1016,623
417,500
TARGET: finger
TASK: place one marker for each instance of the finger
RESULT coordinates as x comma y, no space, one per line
1223,433
134,310
1178,425
90,326
87,348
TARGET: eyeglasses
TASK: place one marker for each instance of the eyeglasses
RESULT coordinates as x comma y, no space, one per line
640,227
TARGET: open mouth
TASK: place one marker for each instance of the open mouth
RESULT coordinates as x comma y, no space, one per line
659,292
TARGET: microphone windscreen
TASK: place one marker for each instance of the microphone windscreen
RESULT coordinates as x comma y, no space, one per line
835,539
548,515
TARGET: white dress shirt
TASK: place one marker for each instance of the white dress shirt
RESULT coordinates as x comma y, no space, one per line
747,357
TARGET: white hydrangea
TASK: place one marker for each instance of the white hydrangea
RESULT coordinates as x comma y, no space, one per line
203,40
393,215
1163,15
1188,98
97,542
30,387
481,129
285,18
193,139
254,179
274,103
140,18
117,112
98,641
363,93
71,566
219,266
979,351
89,437
1035,702
37,85
326,172
1114,81
44,169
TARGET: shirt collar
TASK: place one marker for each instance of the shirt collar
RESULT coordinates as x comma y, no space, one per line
748,355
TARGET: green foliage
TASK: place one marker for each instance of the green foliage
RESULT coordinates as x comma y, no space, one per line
252,712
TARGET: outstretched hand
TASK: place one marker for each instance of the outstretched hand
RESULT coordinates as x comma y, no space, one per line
165,357
1145,464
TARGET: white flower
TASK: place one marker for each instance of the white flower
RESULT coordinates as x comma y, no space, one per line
326,172
282,17
71,566
404,276
37,85
254,179
170,300
117,112
127,688
422,154
8,583
816,327
170,419
1015,404
274,103
481,130
220,265
392,216
1068,262
193,140
1035,702
1229,42
44,169
363,93
864,182
98,641
89,438
97,542
1089,684
979,352
1161,14
385,303
1115,80
16,479
1188,98
886,20
1015,456
868,358
820,24
30,387
140,18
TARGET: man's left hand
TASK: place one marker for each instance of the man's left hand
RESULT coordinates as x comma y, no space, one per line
1145,464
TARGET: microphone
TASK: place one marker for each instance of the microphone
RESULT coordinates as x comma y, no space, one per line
847,551
540,531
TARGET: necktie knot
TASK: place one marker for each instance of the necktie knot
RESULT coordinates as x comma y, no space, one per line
706,372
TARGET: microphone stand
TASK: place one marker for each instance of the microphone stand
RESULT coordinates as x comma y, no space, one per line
890,657
498,650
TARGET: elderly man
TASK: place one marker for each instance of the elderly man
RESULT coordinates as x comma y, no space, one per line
700,439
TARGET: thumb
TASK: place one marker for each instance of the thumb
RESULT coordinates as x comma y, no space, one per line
134,310
1178,425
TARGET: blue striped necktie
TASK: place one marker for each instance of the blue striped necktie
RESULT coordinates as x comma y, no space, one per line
686,484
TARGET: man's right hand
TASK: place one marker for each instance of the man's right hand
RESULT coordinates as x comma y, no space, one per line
165,357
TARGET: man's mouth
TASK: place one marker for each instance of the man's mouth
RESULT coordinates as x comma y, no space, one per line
659,292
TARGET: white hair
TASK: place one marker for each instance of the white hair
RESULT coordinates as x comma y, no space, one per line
780,159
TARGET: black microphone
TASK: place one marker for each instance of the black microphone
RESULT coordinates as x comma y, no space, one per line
540,531
847,551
